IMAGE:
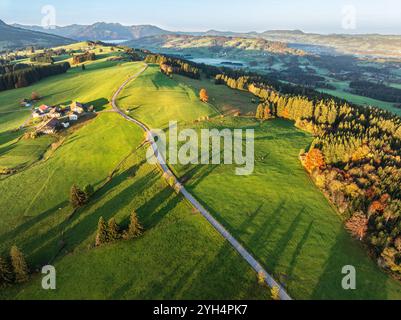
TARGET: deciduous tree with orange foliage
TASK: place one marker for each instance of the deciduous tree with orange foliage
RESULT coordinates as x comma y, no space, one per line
314,159
358,225
203,95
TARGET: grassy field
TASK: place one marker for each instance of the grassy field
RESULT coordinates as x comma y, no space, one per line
180,256
283,219
280,216
226,100
156,99
17,153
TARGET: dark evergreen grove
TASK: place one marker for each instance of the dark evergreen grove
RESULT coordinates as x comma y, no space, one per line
19,78
169,65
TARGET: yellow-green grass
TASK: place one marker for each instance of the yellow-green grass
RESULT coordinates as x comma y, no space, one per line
179,256
18,153
225,99
157,99
94,86
283,219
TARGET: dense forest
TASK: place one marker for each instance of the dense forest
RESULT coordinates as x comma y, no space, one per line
30,74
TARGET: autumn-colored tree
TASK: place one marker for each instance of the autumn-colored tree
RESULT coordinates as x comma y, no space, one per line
261,278
376,206
135,229
314,159
267,112
203,95
358,225
101,234
275,293
35,96
19,264
77,197
259,112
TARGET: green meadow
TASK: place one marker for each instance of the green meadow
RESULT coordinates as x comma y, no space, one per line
156,99
180,256
277,212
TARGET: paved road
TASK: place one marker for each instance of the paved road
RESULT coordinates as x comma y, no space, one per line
223,231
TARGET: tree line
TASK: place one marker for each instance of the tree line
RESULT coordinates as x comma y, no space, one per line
377,91
42,58
87,56
26,76
170,65
355,159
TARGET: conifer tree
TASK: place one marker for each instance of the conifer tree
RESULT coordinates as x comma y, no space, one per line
135,229
259,112
102,234
19,264
6,274
77,197
113,230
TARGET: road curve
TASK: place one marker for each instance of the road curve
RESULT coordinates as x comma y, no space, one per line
217,226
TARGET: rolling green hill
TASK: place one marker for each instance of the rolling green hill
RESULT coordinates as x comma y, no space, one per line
180,256
276,213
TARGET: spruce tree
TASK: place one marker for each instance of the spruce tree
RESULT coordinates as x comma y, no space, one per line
113,230
19,264
6,274
102,234
135,228
77,197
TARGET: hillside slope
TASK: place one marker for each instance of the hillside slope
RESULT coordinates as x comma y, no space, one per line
101,31
12,38
187,42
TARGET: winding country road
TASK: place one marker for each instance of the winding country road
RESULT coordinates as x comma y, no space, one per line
217,226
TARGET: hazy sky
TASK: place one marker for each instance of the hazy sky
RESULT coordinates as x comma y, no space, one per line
339,16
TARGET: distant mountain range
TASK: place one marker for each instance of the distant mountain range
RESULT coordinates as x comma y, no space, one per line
101,31
369,44
13,38
183,41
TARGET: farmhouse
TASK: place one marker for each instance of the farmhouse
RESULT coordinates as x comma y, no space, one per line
78,107
44,108
49,126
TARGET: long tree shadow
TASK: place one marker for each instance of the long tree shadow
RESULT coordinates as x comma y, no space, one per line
371,282
67,238
87,226
298,250
26,226
284,241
